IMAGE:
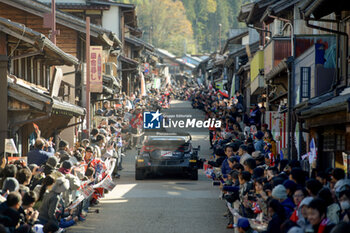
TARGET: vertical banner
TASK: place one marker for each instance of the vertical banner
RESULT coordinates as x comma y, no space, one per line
233,86
143,84
345,162
278,125
96,69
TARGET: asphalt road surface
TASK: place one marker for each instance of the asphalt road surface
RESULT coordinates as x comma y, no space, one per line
160,204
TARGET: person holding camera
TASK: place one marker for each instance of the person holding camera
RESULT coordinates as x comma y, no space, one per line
38,155
28,201
11,215
246,189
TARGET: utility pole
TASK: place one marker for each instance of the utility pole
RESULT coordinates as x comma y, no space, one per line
54,32
3,91
150,34
220,36
87,75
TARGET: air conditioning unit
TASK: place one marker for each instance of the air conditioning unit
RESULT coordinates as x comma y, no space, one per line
277,27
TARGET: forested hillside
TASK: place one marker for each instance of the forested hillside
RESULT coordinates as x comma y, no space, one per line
186,25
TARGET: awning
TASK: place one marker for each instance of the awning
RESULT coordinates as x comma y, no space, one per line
108,90
39,100
236,39
243,68
321,8
66,19
52,53
336,104
139,43
219,79
63,18
80,6
251,13
180,61
245,10
276,8
111,81
282,66
129,61
257,86
64,108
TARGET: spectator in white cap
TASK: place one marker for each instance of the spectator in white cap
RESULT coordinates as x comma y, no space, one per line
280,193
49,205
302,221
10,185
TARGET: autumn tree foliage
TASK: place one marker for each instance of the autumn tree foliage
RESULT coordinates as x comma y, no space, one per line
190,26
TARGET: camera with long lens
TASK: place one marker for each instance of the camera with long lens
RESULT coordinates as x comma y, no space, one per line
216,183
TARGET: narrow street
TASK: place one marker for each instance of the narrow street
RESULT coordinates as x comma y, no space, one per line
160,204
81,81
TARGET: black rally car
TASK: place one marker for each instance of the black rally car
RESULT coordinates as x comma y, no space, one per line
168,153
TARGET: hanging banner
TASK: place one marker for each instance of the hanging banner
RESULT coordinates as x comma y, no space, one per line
313,151
96,69
10,146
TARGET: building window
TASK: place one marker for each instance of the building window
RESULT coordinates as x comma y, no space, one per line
305,74
329,142
340,142
334,142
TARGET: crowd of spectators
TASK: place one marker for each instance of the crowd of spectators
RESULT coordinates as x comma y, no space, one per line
57,184
262,190
48,192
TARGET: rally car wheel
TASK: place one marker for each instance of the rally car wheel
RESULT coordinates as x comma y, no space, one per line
139,174
194,174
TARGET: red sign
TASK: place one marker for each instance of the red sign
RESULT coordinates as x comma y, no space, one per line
96,69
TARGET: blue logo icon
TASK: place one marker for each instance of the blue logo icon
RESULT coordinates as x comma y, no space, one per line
151,120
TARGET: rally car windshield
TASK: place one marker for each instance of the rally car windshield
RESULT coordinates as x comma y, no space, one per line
167,145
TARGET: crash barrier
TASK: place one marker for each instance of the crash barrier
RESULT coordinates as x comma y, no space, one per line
88,188
257,225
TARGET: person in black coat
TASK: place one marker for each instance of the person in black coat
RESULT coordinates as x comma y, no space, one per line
220,157
278,216
10,216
